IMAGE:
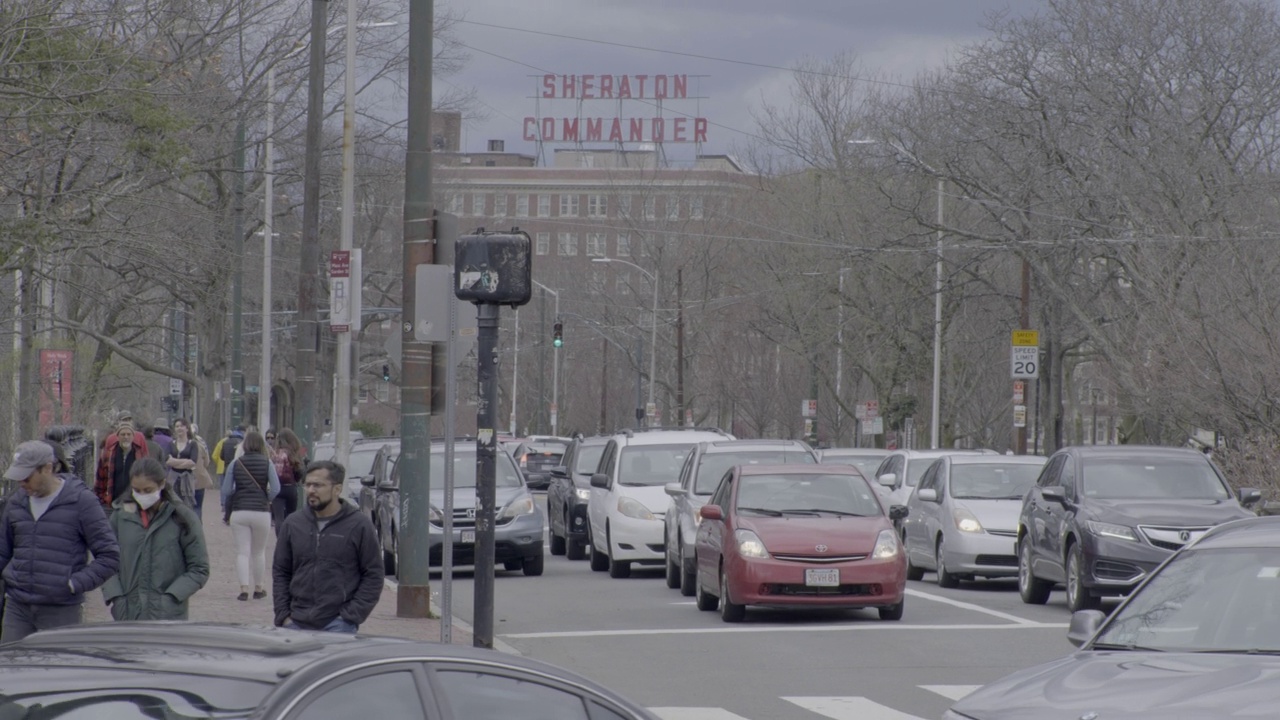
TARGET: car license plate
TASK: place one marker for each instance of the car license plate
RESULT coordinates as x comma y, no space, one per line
822,578
468,537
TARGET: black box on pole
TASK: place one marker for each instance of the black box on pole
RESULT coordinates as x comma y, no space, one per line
494,268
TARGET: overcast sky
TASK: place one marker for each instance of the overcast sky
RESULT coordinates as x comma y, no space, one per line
900,37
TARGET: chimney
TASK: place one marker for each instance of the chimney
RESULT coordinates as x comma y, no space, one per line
496,145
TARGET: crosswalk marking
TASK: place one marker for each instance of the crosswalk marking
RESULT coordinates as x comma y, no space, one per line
951,692
694,713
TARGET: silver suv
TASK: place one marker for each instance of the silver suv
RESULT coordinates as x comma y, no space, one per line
701,474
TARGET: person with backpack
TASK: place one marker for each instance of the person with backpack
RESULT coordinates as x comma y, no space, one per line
248,487
163,557
225,451
289,458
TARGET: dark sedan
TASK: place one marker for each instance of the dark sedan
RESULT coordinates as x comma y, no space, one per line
1199,639
568,494
1100,518
536,459
140,671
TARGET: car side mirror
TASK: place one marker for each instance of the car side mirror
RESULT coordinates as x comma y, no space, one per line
674,490
899,512
888,479
368,480
927,495
1054,493
1084,624
600,480
387,485
560,471
712,512
1250,496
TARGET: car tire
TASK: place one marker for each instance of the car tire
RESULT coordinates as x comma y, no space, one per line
1078,596
893,612
673,571
575,549
533,565
945,579
599,561
688,578
730,611
512,564
1033,590
617,568
704,600
914,572
557,541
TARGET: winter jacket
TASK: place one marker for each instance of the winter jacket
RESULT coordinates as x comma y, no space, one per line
104,485
201,471
161,565
45,561
243,487
319,575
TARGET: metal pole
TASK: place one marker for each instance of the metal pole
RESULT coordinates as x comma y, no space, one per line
309,250
839,358
515,374
450,422
937,334
1020,434
268,215
555,377
342,368
680,347
639,354
542,361
486,449
653,342
604,383
237,282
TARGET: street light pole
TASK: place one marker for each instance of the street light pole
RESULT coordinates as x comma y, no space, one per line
555,365
653,331
937,333
515,374
839,353
268,212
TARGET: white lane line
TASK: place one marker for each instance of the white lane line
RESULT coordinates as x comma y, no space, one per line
852,627
970,606
849,708
950,692
694,713
683,602
394,586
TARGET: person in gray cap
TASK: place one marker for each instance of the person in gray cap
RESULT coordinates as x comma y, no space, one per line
49,527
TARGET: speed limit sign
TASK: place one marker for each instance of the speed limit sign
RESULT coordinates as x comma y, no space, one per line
1026,354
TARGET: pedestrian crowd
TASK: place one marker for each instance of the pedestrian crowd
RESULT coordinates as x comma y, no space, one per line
137,535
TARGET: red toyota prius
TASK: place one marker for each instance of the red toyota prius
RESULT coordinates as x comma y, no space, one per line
785,536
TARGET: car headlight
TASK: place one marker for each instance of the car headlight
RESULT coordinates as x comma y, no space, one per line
966,522
749,544
886,545
583,494
632,508
434,517
1112,530
697,517
519,506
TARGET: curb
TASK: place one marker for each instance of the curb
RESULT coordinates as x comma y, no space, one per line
456,622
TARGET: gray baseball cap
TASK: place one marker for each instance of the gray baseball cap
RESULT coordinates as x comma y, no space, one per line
29,456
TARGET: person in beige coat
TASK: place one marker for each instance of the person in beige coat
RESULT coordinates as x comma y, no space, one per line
203,479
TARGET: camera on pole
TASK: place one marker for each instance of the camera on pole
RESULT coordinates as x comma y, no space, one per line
491,269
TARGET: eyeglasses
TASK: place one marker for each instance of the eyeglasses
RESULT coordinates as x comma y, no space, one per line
271,437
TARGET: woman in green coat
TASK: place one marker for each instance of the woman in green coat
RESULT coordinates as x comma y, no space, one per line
163,559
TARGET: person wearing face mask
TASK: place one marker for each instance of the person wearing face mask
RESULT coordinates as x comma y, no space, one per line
327,570
50,526
163,557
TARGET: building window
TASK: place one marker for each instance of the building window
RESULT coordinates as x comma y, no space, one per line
544,206
364,394
568,243
642,246
597,282
500,205
596,246
522,205
673,208
384,391
479,203
624,206
650,208
568,206
695,208
544,243
455,204
621,283
597,206
624,245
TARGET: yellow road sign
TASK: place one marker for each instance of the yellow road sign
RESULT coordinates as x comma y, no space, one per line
1026,338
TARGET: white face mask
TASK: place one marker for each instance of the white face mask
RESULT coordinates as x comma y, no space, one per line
146,500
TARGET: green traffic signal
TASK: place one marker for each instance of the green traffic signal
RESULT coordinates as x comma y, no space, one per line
558,342
557,335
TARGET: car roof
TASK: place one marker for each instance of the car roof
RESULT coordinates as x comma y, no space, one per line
669,437
1255,532
851,452
799,469
389,440
997,459
595,440
942,452
1121,451
729,446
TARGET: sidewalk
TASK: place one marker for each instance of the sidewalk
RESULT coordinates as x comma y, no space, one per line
217,602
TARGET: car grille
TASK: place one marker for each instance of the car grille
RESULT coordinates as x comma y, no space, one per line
802,590
1003,533
997,560
821,559
465,518
1114,570
1170,538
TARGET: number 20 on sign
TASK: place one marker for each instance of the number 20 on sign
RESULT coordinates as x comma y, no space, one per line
1026,354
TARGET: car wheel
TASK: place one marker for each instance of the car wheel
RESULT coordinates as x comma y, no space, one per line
1033,590
893,612
673,570
703,599
914,572
533,565
557,541
512,564
688,578
617,568
730,612
945,579
1078,596
599,561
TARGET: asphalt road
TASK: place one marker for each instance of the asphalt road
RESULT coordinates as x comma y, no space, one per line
652,644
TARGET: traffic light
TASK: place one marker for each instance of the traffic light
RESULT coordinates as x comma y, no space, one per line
557,334
386,373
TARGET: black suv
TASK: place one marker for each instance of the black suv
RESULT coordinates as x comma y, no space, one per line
568,494
1102,517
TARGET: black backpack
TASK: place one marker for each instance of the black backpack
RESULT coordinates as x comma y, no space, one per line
229,449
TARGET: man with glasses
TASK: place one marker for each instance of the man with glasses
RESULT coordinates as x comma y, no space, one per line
327,573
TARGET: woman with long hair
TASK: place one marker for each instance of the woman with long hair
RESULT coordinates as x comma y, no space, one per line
289,457
181,461
248,487
163,557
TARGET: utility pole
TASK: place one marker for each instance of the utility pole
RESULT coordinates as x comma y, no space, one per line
680,346
309,250
237,281
268,239
604,382
542,361
413,594
1024,321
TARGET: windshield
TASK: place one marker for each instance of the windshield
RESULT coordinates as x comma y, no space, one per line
361,461
1205,600
1152,478
713,466
866,464
464,470
806,494
1007,481
651,464
588,459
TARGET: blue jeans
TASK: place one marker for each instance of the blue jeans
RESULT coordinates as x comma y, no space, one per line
199,505
335,625
21,619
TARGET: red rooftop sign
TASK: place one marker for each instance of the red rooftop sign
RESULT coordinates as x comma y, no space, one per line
652,91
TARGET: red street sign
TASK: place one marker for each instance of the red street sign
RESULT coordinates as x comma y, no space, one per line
340,263
1019,392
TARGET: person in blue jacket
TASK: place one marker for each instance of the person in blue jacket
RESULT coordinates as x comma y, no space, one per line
50,526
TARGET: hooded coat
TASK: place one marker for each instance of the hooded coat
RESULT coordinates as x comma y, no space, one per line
320,575
161,565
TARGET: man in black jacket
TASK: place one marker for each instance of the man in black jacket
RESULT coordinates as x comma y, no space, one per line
327,571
